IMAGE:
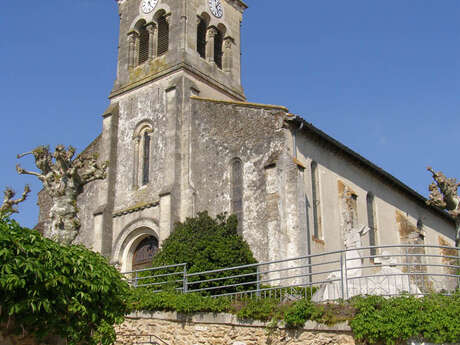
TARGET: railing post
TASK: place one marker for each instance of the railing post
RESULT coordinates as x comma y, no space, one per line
184,282
135,278
258,281
345,271
408,270
343,275
457,270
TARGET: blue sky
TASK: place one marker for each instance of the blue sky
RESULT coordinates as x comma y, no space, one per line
382,77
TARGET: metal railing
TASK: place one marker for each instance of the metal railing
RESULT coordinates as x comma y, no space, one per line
395,270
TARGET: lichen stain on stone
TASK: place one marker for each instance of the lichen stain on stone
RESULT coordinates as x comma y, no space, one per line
405,227
349,206
341,188
149,68
409,234
448,252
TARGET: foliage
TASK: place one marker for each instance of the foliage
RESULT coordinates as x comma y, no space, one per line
301,312
258,309
144,300
207,244
434,318
49,289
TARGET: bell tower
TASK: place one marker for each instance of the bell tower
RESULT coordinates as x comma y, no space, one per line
201,38
170,52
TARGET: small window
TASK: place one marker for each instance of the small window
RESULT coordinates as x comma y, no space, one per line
317,233
420,224
237,191
163,35
146,159
371,222
201,38
143,45
142,151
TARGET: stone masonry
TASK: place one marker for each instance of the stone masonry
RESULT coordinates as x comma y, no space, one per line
223,329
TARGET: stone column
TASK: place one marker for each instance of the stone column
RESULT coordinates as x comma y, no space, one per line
153,39
132,38
211,35
228,54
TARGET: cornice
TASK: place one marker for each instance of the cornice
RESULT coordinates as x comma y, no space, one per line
242,104
237,94
238,4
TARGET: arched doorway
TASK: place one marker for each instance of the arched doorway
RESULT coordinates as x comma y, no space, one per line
144,253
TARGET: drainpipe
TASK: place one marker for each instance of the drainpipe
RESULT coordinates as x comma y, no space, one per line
457,244
294,146
294,141
457,239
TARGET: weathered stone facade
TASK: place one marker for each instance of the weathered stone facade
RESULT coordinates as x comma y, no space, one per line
178,131
223,329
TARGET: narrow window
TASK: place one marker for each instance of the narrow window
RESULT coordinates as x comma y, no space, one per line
201,38
317,233
146,159
163,35
143,45
237,191
218,42
371,222
420,224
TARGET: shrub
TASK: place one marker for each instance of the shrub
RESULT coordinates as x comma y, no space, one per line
49,289
207,244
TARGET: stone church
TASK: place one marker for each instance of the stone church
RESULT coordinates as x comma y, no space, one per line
180,138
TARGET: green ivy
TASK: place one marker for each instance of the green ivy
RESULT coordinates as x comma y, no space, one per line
257,309
144,300
49,289
434,318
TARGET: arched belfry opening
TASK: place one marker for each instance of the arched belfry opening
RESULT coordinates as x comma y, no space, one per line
144,253
218,45
143,45
141,42
201,31
162,20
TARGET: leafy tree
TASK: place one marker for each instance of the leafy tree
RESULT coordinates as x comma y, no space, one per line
49,289
207,244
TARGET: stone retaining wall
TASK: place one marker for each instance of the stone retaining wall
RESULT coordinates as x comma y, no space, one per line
222,329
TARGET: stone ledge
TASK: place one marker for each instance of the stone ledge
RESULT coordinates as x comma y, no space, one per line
135,208
242,104
230,320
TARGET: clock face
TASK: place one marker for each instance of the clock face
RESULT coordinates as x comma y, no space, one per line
148,5
216,8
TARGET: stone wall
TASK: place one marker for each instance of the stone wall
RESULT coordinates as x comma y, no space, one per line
222,329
